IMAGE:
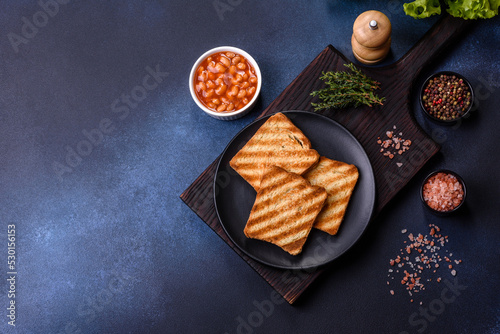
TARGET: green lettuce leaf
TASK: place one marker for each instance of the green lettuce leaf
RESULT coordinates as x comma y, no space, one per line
473,9
420,9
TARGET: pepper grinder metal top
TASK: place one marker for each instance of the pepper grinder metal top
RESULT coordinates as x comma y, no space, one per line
371,38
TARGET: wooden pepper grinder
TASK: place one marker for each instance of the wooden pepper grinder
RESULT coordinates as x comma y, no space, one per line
371,37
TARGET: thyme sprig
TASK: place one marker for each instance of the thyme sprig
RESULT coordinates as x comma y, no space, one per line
347,89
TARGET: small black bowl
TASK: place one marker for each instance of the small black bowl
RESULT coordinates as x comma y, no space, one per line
464,114
443,213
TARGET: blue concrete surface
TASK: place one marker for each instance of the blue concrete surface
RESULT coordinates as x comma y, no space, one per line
91,178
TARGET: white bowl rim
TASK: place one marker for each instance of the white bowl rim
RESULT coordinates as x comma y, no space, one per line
220,49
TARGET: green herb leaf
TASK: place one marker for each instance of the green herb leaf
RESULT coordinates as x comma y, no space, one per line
420,9
466,9
473,9
346,89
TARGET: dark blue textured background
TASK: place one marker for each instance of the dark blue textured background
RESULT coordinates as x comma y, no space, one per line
108,246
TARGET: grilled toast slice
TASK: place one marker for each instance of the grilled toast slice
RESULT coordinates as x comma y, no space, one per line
285,209
339,179
278,142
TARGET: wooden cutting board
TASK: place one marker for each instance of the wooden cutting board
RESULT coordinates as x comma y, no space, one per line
366,124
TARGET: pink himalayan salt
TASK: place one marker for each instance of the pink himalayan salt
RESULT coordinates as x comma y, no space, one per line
443,192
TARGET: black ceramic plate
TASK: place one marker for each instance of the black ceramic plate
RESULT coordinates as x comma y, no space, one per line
234,197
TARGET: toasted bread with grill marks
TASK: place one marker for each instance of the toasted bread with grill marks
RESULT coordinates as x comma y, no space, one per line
285,209
339,179
278,142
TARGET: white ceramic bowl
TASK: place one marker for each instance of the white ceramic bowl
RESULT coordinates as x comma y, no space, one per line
233,114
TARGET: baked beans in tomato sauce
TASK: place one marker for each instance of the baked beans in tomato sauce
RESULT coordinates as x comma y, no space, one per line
225,82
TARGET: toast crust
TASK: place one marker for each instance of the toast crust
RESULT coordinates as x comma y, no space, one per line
339,179
278,142
285,209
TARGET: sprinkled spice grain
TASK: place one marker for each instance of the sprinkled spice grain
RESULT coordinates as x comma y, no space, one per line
420,256
446,97
393,144
443,192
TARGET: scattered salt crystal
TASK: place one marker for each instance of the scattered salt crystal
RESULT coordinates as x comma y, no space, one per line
416,265
392,141
399,164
